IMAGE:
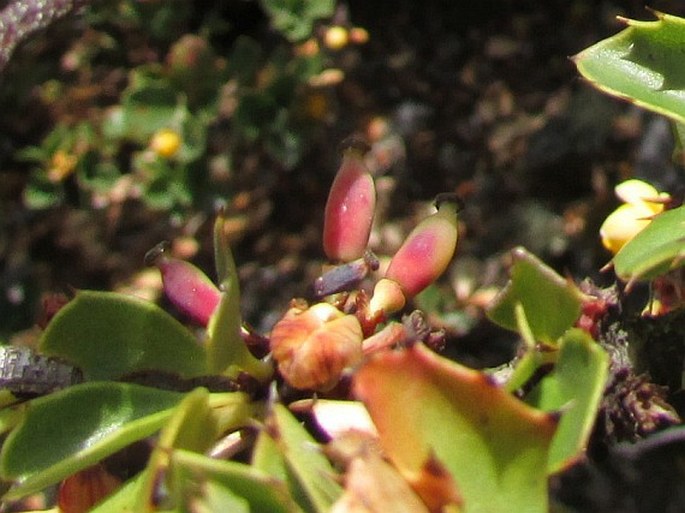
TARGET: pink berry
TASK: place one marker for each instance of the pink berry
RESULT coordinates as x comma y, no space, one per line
350,207
186,286
427,250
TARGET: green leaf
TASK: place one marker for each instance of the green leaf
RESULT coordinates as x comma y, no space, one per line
226,350
494,446
75,428
550,303
109,335
655,250
312,477
202,480
192,426
642,64
574,388
267,457
295,18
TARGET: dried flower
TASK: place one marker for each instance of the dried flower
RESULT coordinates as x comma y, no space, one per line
313,346
350,207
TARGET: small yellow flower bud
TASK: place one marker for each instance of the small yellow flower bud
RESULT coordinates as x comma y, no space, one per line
637,191
336,37
623,224
641,202
165,143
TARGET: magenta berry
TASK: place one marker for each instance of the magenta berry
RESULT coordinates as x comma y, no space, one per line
186,286
350,207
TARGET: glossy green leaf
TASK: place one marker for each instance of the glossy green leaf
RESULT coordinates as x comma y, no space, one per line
75,428
494,446
226,350
655,250
551,304
312,479
574,388
202,481
642,64
109,335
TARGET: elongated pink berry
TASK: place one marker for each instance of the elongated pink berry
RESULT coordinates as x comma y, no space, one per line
186,286
350,207
427,250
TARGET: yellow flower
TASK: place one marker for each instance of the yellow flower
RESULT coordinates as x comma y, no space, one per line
336,37
165,143
62,165
641,203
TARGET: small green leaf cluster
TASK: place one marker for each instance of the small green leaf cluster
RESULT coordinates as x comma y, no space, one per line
109,104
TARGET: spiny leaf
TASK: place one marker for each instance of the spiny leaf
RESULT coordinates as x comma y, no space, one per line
575,389
642,64
550,303
493,445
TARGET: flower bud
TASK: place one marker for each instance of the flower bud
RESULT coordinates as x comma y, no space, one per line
623,224
639,192
313,346
387,298
641,203
427,250
350,207
186,286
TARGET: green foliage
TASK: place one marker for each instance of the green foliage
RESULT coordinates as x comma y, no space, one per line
73,429
494,446
655,250
250,95
226,351
109,335
296,18
642,64
549,303
574,388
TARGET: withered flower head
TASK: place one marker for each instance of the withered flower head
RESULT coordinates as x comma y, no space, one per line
313,346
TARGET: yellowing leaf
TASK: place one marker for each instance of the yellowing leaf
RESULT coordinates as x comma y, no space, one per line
430,411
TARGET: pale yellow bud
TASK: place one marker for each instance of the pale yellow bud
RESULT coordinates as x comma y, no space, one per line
636,191
623,224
